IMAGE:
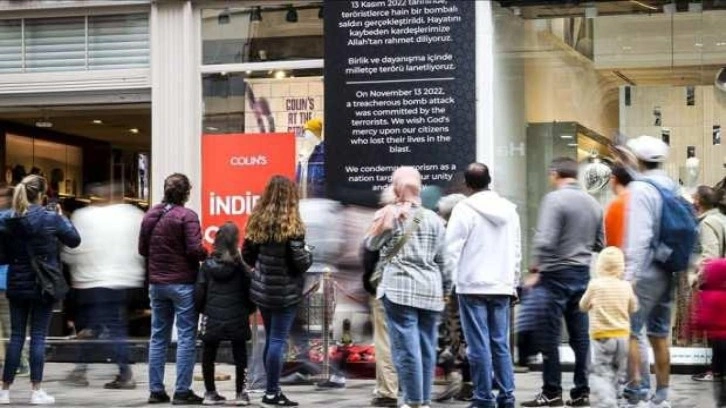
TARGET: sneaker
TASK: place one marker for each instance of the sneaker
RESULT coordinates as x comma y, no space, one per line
384,402
454,387
703,377
662,404
583,401
542,400
296,378
5,397
242,400
76,378
466,394
121,383
330,385
186,398
279,400
518,369
158,397
213,398
40,397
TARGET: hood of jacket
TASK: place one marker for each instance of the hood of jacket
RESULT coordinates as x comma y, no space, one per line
491,207
220,270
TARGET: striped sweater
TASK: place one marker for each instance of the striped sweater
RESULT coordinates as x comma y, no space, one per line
610,301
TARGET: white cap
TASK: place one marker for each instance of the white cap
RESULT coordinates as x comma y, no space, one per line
649,149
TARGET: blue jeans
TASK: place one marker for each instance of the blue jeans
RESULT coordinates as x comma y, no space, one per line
104,307
413,333
168,301
278,323
485,321
39,314
565,288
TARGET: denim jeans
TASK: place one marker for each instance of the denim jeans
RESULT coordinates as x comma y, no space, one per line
104,308
413,333
168,301
40,314
565,288
485,321
278,323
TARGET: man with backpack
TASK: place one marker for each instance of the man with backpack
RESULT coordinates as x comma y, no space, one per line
660,239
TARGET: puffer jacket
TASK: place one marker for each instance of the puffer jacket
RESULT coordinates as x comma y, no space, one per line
710,302
222,295
279,268
173,248
44,232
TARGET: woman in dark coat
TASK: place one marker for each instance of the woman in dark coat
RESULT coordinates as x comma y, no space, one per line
275,246
222,296
33,236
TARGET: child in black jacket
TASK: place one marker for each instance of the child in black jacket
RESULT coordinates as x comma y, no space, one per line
222,297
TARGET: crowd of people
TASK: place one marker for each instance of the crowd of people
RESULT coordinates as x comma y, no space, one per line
421,256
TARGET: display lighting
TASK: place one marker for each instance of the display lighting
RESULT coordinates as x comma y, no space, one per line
291,14
256,14
97,122
134,131
280,74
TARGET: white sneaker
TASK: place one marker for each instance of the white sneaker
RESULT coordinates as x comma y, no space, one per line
40,397
5,397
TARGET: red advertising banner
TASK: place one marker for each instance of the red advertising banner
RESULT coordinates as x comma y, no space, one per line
235,171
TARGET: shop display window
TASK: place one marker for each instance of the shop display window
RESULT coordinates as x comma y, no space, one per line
60,164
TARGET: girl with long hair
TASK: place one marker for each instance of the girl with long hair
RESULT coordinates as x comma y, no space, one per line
222,296
275,247
33,237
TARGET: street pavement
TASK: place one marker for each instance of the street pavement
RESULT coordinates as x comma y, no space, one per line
685,393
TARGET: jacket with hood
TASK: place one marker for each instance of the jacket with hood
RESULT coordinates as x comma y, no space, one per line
484,244
44,232
222,295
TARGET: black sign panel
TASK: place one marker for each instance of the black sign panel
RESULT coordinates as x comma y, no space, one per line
399,90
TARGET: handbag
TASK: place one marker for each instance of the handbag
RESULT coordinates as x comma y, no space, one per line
412,226
50,279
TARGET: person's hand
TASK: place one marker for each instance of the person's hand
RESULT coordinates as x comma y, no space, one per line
531,280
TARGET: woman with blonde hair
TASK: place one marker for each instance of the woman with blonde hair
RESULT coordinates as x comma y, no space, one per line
33,239
275,247
415,283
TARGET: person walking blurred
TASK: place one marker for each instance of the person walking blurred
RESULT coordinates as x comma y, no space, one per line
103,268
610,301
569,230
222,296
415,283
484,229
35,281
171,241
275,247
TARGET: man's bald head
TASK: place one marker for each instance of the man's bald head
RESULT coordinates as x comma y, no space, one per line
477,177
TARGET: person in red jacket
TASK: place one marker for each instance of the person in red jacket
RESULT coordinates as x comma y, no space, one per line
171,241
708,318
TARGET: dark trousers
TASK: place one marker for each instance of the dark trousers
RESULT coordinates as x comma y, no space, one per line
39,314
565,288
718,364
100,308
278,323
209,356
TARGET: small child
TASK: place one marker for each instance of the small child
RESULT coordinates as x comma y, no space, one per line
222,297
610,301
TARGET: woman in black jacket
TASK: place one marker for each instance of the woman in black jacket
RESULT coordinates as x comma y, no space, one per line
222,296
33,237
275,246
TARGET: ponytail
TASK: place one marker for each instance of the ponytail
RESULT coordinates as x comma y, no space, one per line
27,192
20,200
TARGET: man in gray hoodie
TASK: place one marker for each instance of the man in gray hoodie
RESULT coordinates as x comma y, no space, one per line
569,230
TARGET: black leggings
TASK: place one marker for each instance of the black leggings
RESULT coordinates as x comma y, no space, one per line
209,355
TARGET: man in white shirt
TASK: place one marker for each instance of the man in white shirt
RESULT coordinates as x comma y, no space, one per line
484,242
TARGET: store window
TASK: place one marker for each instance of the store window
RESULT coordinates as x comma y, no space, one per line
74,43
262,33
573,80
61,164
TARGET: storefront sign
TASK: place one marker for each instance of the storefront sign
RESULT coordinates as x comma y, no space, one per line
235,171
399,90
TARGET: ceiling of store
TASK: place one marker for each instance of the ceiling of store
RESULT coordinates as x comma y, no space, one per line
116,124
676,76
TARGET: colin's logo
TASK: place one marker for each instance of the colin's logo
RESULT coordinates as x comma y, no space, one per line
248,161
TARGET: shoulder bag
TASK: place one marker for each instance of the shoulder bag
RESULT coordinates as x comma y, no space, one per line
412,226
49,278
